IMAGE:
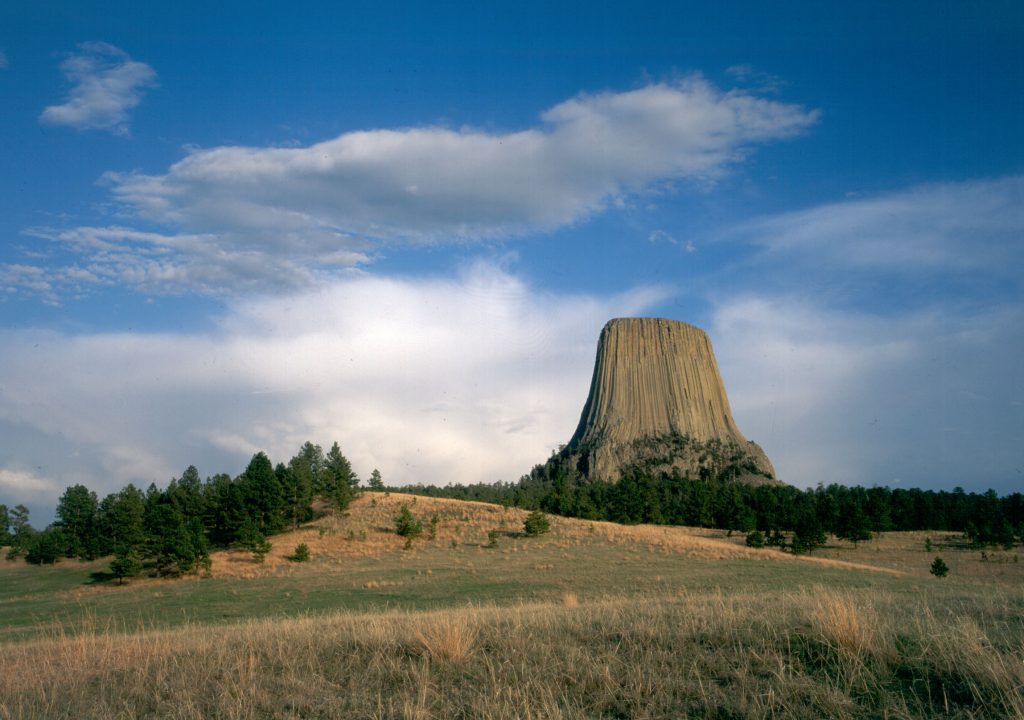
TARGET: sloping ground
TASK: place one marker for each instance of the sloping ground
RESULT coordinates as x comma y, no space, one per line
367,529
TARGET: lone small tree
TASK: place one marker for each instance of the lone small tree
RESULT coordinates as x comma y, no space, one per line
536,523
406,525
939,567
301,553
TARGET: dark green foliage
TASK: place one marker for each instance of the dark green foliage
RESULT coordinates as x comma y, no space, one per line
939,567
127,563
341,482
376,482
47,546
536,523
252,539
492,539
406,525
21,532
77,512
301,553
432,531
5,524
177,544
122,522
755,539
712,500
263,496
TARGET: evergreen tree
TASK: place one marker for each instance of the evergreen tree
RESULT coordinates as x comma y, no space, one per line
298,493
21,531
6,537
47,546
122,519
536,523
263,496
376,482
342,482
406,525
77,515
127,563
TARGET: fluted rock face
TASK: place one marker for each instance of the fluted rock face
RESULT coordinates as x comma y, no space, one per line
657,397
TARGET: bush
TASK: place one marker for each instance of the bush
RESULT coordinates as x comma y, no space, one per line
536,523
406,525
939,567
755,539
492,539
301,553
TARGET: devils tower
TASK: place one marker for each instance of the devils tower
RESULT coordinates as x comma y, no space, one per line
657,404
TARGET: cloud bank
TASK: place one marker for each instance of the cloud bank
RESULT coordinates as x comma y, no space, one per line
464,379
223,218
879,340
106,84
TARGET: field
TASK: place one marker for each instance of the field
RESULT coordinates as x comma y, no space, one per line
590,620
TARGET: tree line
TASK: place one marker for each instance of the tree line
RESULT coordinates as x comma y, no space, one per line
782,514
172,530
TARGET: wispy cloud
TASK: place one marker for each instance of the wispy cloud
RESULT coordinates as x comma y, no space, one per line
932,227
468,378
106,84
3,60
880,338
159,264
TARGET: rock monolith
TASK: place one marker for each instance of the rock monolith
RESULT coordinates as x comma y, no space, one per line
657,402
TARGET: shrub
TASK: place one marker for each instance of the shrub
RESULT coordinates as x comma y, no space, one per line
406,525
301,553
755,539
939,567
492,539
536,523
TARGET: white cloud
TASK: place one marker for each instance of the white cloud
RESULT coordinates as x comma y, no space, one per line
3,60
21,486
106,84
840,396
433,183
474,378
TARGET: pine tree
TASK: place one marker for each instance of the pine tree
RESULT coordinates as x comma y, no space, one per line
5,524
342,481
536,523
127,563
376,482
263,495
406,525
939,568
77,515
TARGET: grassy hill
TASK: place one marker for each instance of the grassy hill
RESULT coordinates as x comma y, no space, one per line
589,620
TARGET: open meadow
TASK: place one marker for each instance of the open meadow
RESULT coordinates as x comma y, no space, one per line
589,620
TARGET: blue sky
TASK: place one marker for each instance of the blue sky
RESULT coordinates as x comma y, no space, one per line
401,227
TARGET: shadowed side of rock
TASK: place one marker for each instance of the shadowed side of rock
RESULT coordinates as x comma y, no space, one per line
657,401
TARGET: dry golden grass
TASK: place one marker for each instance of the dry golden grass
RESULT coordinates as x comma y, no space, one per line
446,636
808,654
